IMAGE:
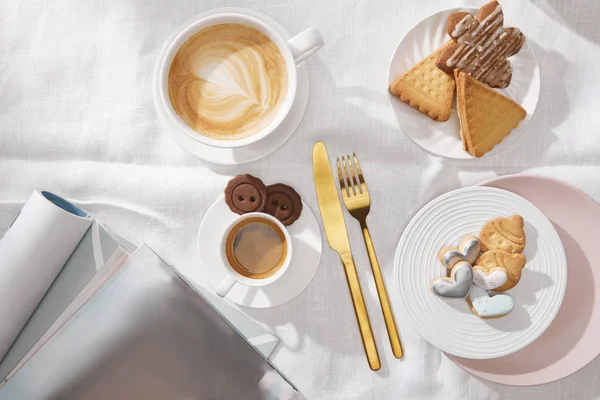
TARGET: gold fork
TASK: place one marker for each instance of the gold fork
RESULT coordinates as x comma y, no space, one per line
357,201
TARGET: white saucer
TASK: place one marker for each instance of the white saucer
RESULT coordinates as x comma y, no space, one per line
307,247
442,138
449,324
255,151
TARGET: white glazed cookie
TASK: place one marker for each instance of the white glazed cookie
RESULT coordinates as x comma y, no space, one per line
487,307
513,263
458,285
489,279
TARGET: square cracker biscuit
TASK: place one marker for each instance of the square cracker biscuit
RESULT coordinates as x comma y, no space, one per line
427,88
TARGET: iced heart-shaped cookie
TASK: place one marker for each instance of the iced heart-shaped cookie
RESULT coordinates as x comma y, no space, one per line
504,234
485,306
489,279
468,250
513,263
458,285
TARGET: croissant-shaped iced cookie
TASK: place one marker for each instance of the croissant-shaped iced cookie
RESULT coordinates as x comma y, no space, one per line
504,234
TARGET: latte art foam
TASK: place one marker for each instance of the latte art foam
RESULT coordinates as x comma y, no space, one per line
228,81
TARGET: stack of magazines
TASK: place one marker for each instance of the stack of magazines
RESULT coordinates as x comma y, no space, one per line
87,315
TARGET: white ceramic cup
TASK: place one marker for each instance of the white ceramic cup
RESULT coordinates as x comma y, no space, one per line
294,51
232,275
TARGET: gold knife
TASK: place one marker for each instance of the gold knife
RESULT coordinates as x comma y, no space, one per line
337,236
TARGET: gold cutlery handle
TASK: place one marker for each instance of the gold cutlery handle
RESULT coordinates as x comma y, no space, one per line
361,313
388,315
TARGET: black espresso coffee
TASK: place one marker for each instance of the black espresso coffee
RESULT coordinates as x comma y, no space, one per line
256,248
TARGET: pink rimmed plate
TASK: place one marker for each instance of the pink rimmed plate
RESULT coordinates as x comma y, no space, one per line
572,340
449,324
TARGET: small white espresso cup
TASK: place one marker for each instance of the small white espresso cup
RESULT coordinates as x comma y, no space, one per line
232,275
294,51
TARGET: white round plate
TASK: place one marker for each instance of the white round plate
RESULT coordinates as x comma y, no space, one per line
255,151
449,324
306,242
442,138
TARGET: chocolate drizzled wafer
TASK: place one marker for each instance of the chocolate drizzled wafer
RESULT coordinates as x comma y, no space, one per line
246,194
482,45
284,203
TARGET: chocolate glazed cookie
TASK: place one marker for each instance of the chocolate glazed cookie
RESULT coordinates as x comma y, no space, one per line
246,194
284,203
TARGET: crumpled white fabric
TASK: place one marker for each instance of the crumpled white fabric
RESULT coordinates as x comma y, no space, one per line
77,118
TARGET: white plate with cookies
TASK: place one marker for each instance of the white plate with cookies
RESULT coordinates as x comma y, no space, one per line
452,324
434,94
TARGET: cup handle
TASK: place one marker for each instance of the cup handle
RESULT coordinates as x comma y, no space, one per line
225,286
305,44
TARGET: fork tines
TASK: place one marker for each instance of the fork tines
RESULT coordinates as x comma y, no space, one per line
354,186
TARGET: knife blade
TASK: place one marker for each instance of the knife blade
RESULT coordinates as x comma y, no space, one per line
329,201
337,237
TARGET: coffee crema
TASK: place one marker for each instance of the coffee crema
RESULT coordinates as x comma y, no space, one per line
256,248
228,81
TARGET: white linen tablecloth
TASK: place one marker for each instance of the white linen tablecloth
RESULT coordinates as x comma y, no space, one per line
77,118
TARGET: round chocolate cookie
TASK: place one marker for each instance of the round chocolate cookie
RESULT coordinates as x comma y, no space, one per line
246,194
284,203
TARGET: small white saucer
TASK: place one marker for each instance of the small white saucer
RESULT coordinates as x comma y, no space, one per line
255,151
307,247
